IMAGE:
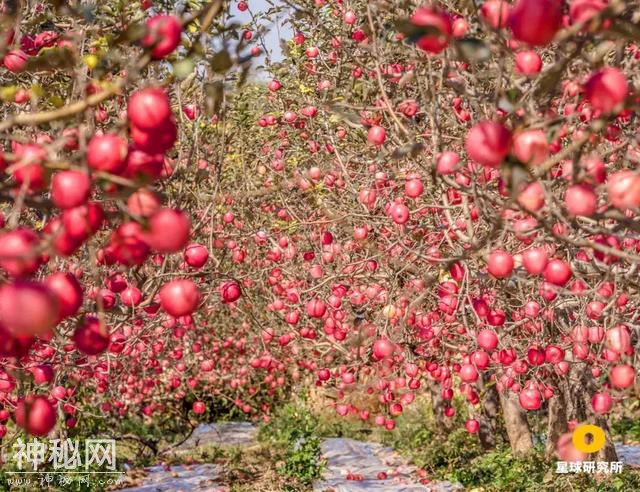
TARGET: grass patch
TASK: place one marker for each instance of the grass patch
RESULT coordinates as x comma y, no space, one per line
294,428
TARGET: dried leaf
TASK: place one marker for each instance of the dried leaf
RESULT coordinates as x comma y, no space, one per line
409,150
413,32
198,49
301,14
244,74
473,50
132,33
549,81
626,29
406,78
214,94
51,59
346,115
284,48
221,62
515,175
509,99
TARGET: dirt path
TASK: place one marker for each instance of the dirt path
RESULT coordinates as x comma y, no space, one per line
356,465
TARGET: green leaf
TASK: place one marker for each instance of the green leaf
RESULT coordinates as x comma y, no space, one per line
183,68
56,101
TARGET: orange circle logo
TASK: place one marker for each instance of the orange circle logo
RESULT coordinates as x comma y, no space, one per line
579,438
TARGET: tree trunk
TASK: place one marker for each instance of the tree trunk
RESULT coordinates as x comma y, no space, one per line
608,453
515,421
573,402
489,413
444,424
557,422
